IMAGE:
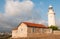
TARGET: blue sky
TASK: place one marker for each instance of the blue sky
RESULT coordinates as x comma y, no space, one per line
41,5
44,4
12,13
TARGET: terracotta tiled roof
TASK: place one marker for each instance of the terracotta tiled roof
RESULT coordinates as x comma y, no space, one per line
35,25
32,25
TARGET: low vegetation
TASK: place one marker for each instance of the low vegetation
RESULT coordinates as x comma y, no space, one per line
53,27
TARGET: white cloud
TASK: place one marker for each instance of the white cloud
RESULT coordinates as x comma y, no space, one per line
14,8
15,12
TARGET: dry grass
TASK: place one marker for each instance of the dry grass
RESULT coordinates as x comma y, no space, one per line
44,36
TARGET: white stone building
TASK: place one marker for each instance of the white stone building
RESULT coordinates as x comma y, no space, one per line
26,29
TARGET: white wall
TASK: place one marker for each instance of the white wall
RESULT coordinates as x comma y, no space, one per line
51,17
22,30
14,33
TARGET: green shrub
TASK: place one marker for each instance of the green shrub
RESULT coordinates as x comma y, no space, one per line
53,27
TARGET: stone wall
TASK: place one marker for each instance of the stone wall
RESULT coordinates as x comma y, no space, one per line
56,32
48,31
14,34
21,31
33,31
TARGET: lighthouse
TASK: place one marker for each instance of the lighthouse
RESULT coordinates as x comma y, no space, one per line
51,16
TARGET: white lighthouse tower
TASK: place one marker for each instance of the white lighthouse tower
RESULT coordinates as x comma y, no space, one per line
51,16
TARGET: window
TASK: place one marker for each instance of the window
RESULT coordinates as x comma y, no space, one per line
21,29
33,29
